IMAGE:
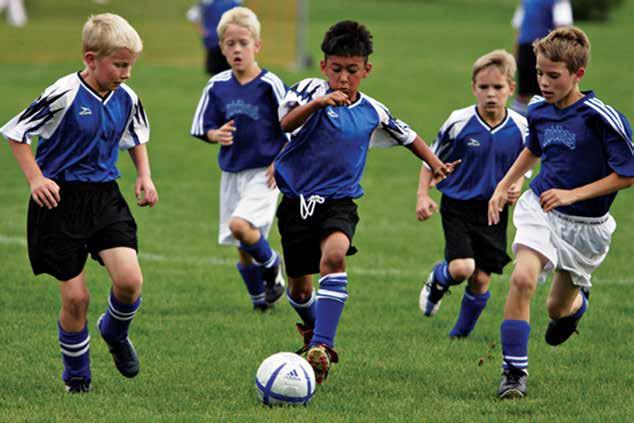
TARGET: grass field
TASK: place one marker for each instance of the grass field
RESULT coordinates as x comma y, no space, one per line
198,340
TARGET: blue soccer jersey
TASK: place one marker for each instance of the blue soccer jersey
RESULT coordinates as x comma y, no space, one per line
80,133
253,108
210,13
487,153
326,155
578,145
536,18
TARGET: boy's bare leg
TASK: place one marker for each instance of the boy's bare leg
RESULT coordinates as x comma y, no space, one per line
528,266
75,299
564,298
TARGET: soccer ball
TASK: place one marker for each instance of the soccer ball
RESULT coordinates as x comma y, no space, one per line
285,379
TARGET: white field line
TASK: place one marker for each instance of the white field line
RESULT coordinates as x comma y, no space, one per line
210,261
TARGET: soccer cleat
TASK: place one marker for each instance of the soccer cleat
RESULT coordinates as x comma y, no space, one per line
431,296
558,331
513,384
77,385
123,353
320,357
274,283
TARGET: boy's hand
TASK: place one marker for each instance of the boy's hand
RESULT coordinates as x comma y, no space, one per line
514,193
442,171
554,198
270,176
496,205
223,135
45,192
145,185
425,207
335,98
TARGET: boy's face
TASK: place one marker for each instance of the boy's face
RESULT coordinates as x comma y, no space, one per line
239,47
107,73
492,89
557,84
345,73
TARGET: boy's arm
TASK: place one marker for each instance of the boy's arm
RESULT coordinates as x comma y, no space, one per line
515,190
525,161
296,117
45,192
425,206
554,198
440,170
144,182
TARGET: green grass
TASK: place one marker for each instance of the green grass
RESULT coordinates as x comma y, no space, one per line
198,340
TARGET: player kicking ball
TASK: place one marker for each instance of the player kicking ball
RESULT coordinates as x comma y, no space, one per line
563,222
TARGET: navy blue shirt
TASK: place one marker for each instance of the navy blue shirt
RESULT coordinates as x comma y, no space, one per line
327,154
253,107
536,18
578,145
210,13
487,153
80,133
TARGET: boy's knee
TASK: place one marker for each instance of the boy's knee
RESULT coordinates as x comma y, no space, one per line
333,262
128,287
76,304
462,269
479,282
239,228
523,282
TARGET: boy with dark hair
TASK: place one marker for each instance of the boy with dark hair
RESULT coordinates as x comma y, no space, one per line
76,207
563,222
332,126
487,137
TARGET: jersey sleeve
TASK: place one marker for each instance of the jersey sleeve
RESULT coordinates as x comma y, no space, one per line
518,17
206,116
617,139
137,130
302,93
42,117
390,131
277,87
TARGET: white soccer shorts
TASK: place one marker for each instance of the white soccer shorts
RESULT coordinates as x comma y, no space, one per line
577,245
246,195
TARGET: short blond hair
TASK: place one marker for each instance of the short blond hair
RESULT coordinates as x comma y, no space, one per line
107,32
501,59
242,16
567,44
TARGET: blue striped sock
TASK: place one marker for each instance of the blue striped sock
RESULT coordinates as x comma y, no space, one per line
442,275
261,252
584,306
470,310
305,310
116,321
75,348
514,338
331,299
252,277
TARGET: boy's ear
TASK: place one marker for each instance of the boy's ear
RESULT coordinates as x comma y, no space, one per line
322,66
258,45
368,68
89,59
580,73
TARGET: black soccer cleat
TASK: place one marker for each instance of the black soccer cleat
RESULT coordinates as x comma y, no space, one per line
274,283
513,384
77,385
124,355
558,331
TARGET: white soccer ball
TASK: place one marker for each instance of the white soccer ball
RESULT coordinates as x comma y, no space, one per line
285,379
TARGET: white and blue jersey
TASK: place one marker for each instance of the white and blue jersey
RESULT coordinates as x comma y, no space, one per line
578,145
253,107
536,18
80,133
487,153
327,154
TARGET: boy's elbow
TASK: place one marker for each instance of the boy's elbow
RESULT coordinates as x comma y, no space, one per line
285,125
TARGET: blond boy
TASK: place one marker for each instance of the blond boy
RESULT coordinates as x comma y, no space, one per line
76,207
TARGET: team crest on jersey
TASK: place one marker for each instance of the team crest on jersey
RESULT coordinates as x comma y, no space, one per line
556,134
239,107
85,111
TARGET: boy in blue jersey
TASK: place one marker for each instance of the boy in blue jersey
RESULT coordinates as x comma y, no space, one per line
238,110
534,19
563,222
487,137
76,207
332,125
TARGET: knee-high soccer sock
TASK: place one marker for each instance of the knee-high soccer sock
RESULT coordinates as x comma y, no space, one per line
442,275
514,338
116,321
584,306
331,298
261,252
75,352
306,309
470,310
252,277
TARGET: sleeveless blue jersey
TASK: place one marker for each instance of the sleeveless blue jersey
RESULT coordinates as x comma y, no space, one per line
578,145
253,107
487,153
80,133
327,154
